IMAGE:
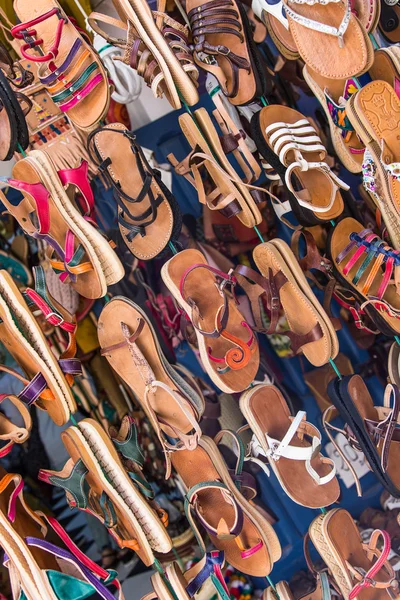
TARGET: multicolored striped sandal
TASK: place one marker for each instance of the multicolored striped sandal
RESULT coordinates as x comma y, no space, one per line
39,568
69,68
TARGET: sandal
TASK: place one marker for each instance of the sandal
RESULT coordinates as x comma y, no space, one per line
70,69
375,114
148,214
325,586
223,45
228,347
213,493
37,566
386,67
355,566
389,22
273,15
292,146
307,477
13,70
130,344
10,433
371,429
14,130
344,48
282,591
358,256
96,481
49,381
333,95
46,212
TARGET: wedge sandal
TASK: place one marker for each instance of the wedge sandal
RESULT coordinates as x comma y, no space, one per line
375,114
232,522
292,146
46,212
291,445
37,566
371,429
272,14
148,214
228,347
96,481
129,343
10,433
355,566
344,48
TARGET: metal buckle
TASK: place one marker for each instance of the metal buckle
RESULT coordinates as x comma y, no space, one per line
57,316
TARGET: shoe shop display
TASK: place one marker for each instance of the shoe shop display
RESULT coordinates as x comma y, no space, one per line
200,299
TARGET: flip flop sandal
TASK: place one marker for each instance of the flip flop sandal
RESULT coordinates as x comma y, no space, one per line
355,566
375,114
10,433
70,69
46,212
39,568
130,344
13,70
272,13
357,256
228,347
292,447
213,493
282,591
386,67
148,214
345,48
96,481
333,95
292,146
49,381
389,22
224,46
369,428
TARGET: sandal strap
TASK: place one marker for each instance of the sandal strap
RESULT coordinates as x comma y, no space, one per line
14,435
23,31
322,27
126,441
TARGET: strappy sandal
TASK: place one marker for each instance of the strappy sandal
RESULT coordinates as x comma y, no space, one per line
13,70
223,45
273,15
69,68
12,434
14,106
371,429
228,347
292,146
375,114
96,481
329,37
325,586
333,95
46,212
305,475
148,214
37,566
129,343
358,256
232,522
355,566
156,46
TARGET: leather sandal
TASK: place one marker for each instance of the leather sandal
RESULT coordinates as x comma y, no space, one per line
389,22
374,112
223,45
292,146
46,212
217,497
273,15
14,106
284,441
282,591
13,70
343,47
325,585
96,481
148,214
130,344
10,433
228,347
355,566
70,69
371,429
357,256
38,567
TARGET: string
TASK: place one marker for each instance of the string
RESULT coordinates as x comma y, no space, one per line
334,367
21,150
71,416
106,298
323,510
264,101
273,586
374,42
396,337
178,558
258,233
332,223
172,247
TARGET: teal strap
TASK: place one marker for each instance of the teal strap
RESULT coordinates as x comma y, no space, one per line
109,514
74,484
130,448
370,256
40,289
326,590
76,85
143,485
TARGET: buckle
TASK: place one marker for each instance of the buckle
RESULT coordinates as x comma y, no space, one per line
57,316
223,50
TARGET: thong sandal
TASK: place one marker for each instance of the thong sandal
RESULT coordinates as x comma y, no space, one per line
96,481
148,214
292,447
37,566
355,566
129,343
292,146
10,433
69,68
46,212
232,522
375,114
228,347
